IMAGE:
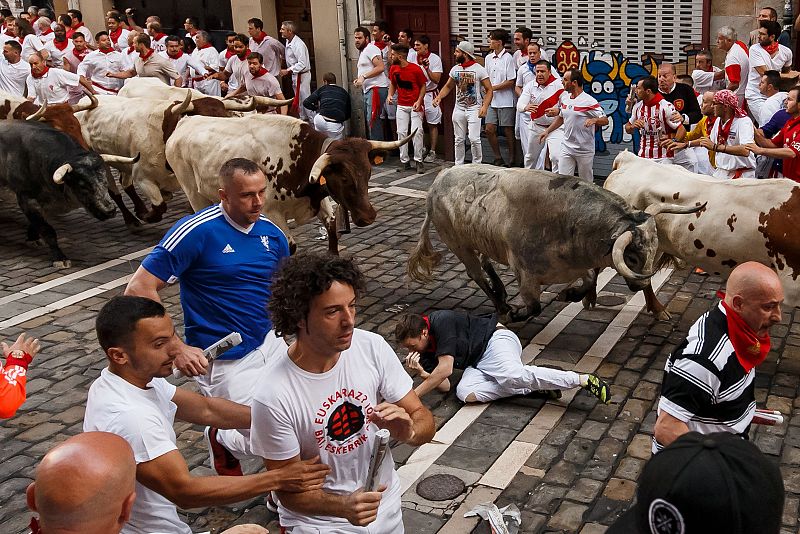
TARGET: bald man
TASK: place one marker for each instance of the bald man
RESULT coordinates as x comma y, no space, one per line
73,495
709,379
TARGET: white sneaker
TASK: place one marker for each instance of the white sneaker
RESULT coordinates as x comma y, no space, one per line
430,157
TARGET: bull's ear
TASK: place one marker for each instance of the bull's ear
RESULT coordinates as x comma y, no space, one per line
376,157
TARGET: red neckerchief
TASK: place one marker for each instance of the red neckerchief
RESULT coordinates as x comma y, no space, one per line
468,63
70,33
229,54
114,36
710,123
33,22
655,100
34,526
48,31
37,76
381,44
431,340
21,40
107,50
159,36
176,56
262,71
131,49
421,57
192,33
550,80
750,349
60,46
75,28
260,37
147,55
80,55
244,54
207,45
724,130
771,49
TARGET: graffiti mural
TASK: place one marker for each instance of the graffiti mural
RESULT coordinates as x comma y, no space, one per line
608,77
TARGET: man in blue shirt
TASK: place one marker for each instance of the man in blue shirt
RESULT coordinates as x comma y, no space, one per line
224,257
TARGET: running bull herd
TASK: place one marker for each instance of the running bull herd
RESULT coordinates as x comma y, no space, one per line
548,228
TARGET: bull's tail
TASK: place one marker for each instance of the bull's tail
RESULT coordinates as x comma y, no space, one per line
423,258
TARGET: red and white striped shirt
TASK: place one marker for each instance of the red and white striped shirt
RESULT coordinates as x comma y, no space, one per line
657,117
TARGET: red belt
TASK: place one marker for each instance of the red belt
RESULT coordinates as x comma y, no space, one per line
739,172
296,99
104,88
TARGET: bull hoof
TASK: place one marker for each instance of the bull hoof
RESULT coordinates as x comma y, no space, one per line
570,294
663,315
62,264
156,214
589,303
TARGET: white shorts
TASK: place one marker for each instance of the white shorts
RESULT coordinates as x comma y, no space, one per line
433,115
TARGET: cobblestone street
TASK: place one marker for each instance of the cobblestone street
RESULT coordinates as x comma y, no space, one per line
570,465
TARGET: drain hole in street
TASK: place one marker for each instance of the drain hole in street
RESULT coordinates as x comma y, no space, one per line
610,300
440,487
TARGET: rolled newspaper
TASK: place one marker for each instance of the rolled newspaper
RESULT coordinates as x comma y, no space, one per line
375,461
767,417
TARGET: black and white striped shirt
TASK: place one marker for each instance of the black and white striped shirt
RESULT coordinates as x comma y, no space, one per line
705,386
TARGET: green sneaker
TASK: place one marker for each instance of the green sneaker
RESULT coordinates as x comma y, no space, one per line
599,388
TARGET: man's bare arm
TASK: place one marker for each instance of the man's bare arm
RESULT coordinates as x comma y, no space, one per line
669,428
212,411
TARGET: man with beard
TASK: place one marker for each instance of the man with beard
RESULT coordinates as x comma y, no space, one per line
259,82
96,65
372,80
327,395
407,88
768,54
522,38
182,62
236,68
656,120
150,65
467,77
13,71
683,99
709,382
59,47
786,144
272,50
432,68
539,95
79,51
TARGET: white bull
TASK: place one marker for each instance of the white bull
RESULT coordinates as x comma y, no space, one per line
744,220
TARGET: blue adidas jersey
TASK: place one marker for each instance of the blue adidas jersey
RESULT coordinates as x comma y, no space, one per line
225,276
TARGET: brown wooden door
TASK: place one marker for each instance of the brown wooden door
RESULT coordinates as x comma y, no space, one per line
420,16
299,12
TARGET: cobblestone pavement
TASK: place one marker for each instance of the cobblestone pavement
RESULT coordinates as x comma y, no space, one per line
569,465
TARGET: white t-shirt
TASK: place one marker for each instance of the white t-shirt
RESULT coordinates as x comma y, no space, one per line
13,76
759,57
56,57
184,62
741,133
578,139
434,64
30,44
121,42
97,64
737,60
237,68
365,65
233,83
54,86
704,81
770,107
295,412
143,418
468,84
501,68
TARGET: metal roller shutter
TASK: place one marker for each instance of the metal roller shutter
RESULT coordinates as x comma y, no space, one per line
627,26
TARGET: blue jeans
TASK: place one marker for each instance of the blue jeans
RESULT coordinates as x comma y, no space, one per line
376,131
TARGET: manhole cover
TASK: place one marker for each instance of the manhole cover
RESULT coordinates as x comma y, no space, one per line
610,300
440,487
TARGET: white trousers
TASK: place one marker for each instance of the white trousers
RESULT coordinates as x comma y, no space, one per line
500,373
686,159
584,162
405,116
235,380
534,155
334,130
703,163
467,125
727,175
305,91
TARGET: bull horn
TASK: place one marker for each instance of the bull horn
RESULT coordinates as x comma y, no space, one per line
110,158
39,112
391,145
662,207
58,176
84,107
235,105
267,101
323,161
617,256
183,107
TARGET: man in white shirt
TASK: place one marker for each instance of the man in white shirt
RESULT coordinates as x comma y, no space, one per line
768,54
522,38
51,85
79,27
130,54
14,72
768,86
432,68
205,54
236,68
732,130
737,62
259,82
327,395
373,81
224,56
132,399
580,114
539,95
58,47
271,49
468,78
158,39
116,32
78,52
44,31
705,75
192,26
182,62
503,75
298,64
150,65
96,66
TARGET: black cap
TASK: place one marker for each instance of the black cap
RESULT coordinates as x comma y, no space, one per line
706,483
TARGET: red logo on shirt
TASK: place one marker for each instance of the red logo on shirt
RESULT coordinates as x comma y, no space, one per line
345,421
678,104
342,418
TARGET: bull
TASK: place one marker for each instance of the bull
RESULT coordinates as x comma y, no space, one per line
548,228
48,170
126,126
740,220
303,167
62,117
154,89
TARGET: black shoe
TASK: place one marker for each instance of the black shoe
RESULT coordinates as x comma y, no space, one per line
406,167
420,168
500,162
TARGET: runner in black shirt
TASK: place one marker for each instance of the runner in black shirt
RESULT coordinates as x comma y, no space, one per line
489,354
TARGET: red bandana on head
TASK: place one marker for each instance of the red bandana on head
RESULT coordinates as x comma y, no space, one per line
750,349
